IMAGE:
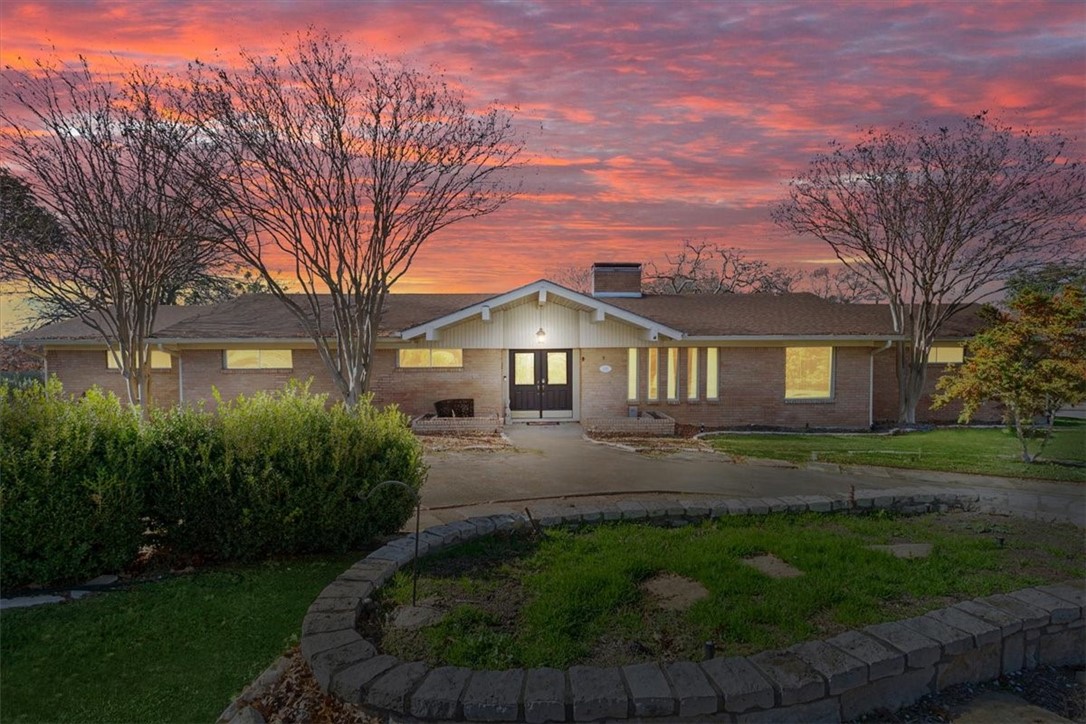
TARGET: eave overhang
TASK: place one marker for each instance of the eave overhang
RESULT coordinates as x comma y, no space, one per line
541,289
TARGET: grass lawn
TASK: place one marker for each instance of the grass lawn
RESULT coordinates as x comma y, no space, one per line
170,651
963,450
576,597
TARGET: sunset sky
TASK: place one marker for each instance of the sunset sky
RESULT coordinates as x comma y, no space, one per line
646,123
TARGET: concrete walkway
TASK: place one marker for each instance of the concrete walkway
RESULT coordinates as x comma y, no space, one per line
555,462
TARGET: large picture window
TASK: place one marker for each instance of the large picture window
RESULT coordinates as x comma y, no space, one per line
258,359
429,358
159,360
808,373
946,354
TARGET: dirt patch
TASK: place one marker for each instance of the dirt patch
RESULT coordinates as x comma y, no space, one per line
673,592
773,567
657,446
905,550
482,443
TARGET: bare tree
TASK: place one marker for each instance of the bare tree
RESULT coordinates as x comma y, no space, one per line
700,267
939,215
345,166
571,276
843,284
114,170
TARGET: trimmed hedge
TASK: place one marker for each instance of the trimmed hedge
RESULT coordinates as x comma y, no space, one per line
270,474
70,503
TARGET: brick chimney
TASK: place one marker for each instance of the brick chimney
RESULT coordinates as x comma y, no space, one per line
616,279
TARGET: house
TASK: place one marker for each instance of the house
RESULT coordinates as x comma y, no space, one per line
544,351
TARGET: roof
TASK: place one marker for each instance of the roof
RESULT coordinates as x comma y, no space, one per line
264,317
76,330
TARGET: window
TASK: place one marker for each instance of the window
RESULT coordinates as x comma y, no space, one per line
712,374
692,373
654,374
423,358
631,374
672,373
258,359
946,354
159,360
808,373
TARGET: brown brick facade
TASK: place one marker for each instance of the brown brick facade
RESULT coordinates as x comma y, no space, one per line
751,385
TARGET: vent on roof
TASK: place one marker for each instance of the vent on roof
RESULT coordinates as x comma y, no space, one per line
616,279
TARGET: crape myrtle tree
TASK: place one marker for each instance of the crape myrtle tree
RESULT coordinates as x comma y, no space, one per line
938,216
1032,361
343,166
113,168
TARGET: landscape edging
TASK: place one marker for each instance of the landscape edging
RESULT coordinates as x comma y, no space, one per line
887,665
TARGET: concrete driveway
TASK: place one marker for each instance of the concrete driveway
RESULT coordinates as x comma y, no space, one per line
555,462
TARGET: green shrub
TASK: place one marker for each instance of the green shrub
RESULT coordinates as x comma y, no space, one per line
70,503
276,473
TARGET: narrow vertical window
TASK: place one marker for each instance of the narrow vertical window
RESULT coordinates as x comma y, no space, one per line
712,372
631,374
692,373
654,374
672,373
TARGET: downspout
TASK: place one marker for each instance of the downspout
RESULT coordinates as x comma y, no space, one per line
871,382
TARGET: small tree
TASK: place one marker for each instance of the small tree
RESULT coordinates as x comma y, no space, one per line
342,167
114,171
936,217
1032,361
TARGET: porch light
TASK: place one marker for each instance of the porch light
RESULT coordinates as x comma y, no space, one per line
540,336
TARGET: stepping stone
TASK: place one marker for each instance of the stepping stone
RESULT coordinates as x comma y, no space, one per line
773,567
905,550
28,601
673,592
412,618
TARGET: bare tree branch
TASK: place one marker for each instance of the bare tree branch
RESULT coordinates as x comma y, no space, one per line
700,267
115,171
345,166
938,217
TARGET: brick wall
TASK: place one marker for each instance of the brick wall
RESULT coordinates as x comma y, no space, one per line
204,370
79,370
416,390
751,389
886,399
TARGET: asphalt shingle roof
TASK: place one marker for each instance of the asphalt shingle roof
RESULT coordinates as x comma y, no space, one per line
262,316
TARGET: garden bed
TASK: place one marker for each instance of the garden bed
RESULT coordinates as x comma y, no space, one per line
431,424
579,598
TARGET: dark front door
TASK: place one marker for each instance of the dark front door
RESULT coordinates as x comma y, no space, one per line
541,379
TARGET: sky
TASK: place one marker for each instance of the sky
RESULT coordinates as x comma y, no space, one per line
645,123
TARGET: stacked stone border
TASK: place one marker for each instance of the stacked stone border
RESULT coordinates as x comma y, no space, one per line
887,665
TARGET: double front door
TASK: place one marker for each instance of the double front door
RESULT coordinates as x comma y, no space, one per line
541,380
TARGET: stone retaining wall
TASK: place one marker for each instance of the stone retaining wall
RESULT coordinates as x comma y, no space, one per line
643,426
882,666
424,425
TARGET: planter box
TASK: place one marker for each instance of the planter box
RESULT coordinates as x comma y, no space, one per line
433,425
652,424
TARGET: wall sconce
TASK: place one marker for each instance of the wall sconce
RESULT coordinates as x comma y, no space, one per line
540,336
